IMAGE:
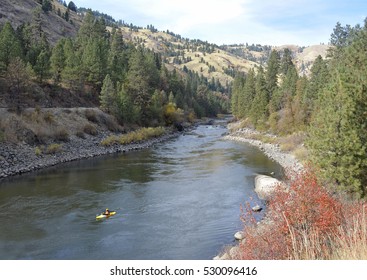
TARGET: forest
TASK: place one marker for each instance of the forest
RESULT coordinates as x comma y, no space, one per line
329,107
128,81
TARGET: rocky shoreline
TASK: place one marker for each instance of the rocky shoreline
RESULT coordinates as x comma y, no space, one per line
273,151
264,185
22,158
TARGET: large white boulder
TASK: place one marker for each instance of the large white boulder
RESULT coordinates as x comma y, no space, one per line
265,186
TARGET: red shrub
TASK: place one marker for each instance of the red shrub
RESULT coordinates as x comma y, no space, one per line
305,208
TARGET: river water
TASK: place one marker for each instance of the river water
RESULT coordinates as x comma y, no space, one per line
177,200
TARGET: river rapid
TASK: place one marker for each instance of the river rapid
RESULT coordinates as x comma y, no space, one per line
176,200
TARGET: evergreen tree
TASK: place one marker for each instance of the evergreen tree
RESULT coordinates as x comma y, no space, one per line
318,79
117,57
286,62
42,66
72,73
138,86
72,6
300,108
246,96
338,138
108,96
259,108
95,61
128,112
57,61
237,89
10,47
272,73
286,91
46,6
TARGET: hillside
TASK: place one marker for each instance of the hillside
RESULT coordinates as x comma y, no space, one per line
217,63
304,57
21,11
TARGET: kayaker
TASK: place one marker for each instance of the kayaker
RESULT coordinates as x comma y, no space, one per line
107,212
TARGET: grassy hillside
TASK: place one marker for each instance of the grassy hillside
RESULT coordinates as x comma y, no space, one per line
21,11
218,62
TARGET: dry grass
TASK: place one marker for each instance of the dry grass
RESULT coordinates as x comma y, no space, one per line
42,126
349,242
53,149
291,142
134,136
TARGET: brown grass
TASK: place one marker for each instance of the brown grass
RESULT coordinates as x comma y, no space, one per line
53,149
134,136
291,142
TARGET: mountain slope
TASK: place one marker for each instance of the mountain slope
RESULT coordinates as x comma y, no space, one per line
21,11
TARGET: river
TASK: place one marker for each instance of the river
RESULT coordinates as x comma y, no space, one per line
177,200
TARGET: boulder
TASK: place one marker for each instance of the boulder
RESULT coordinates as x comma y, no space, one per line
265,186
239,235
257,208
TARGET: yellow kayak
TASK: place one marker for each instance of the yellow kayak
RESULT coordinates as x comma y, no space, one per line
105,216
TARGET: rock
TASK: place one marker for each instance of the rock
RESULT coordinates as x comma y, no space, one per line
225,256
239,235
257,208
265,186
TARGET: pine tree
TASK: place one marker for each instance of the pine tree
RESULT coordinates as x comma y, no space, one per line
57,61
108,96
272,73
72,73
259,108
238,84
95,61
10,47
117,57
318,79
247,95
286,62
137,83
338,138
300,108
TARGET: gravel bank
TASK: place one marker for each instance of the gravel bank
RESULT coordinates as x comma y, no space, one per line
273,151
21,158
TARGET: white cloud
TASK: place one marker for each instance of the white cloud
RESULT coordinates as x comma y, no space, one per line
271,22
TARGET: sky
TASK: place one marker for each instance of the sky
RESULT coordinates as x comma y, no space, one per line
266,22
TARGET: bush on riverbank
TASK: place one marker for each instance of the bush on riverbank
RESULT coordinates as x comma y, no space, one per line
134,136
306,222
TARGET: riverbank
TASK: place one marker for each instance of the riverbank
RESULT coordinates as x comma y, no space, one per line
272,149
21,158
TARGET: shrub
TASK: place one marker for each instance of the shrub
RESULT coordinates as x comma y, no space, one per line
134,136
38,151
305,209
53,149
90,129
91,115
110,140
49,117
61,134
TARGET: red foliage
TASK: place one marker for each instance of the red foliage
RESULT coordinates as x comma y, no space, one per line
305,207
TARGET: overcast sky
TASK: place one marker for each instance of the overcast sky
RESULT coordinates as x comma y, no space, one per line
270,22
